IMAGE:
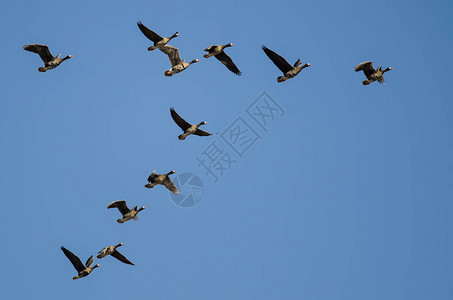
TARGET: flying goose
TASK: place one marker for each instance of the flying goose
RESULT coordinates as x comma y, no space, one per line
187,127
370,73
127,213
288,70
157,39
163,179
217,51
83,270
111,250
177,65
50,62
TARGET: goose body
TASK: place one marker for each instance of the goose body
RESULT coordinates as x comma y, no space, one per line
162,179
281,63
187,127
83,270
217,52
50,62
370,73
177,64
128,214
111,250
154,37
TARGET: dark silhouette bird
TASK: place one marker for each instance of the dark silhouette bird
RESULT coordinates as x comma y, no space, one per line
111,250
163,179
370,73
83,270
177,64
217,52
50,62
157,39
187,127
127,213
288,70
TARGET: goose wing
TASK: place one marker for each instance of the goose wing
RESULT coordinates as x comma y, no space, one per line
168,183
42,50
178,120
279,61
381,79
210,49
89,261
172,53
366,67
121,205
76,262
152,176
149,33
228,62
120,257
202,133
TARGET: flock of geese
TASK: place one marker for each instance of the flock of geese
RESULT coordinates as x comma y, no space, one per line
178,65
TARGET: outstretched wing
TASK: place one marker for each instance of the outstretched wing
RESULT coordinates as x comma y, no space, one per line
121,205
42,50
279,61
74,259
152,176
168,183
89,261
120,257
366,67
228,62
172,53
149,33
210,49
178,120
381,80
202,133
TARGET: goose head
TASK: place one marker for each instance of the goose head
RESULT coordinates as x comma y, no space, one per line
66,57
388,69
140,209
194,61
168,73
119,245
228,45
96,266
202,123
174,35
306,65
171,172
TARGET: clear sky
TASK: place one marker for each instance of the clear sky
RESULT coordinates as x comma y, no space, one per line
345,194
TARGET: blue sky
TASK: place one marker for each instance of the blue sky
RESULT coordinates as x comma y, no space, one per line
347,195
